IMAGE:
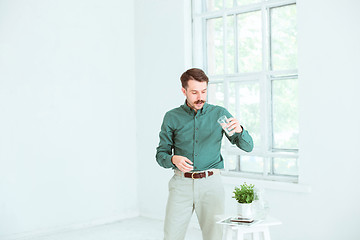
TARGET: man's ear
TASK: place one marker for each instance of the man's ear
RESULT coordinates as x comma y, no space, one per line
183,91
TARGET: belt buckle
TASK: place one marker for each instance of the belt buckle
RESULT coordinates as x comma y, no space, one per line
192,175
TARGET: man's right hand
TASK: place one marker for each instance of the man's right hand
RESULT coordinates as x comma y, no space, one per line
182,163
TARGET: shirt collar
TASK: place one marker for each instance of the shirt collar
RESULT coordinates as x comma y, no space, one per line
192,111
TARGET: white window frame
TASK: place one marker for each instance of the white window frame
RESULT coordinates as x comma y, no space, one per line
264,77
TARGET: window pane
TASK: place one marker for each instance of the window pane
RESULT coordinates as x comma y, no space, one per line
283,38
215,54
230,45
285,166
213,5
216,94
251,164
249,42
285,114
232,162
244,103
229,3
246,2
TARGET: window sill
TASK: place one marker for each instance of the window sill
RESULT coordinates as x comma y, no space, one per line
236,180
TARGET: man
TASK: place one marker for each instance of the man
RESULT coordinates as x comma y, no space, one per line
190,142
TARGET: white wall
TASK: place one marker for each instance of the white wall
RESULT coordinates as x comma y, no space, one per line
67,98
329,118
329,115
160,58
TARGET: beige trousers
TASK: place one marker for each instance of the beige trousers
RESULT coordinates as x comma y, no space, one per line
205,196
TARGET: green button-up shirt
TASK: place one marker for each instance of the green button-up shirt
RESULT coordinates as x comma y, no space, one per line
197,136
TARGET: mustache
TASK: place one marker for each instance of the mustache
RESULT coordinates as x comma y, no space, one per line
199,101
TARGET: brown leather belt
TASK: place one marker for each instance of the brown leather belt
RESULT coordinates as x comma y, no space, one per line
197,175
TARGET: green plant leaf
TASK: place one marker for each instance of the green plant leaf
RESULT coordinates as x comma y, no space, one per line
244,194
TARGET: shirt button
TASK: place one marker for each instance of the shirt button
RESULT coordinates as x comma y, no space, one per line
197,129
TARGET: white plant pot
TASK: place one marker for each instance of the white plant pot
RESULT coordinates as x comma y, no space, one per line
245,210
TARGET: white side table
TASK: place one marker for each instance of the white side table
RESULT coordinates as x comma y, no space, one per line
257,229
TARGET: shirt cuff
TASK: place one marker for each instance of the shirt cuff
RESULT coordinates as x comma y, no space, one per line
170,162
238,135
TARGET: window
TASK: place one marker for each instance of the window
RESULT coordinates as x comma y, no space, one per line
249,50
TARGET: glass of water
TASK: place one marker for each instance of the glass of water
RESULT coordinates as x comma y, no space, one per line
223,121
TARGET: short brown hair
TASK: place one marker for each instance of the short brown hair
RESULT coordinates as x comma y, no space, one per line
193,74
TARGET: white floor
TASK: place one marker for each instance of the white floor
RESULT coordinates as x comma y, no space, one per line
130,229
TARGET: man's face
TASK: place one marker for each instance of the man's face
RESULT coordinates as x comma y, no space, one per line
195,94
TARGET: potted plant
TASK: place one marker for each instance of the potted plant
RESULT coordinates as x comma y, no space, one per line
245,195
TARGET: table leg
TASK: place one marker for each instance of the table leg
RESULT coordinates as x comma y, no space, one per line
228,233
256,235
266,234
240,235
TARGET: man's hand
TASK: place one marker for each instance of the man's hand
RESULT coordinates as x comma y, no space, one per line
234,125
182,163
